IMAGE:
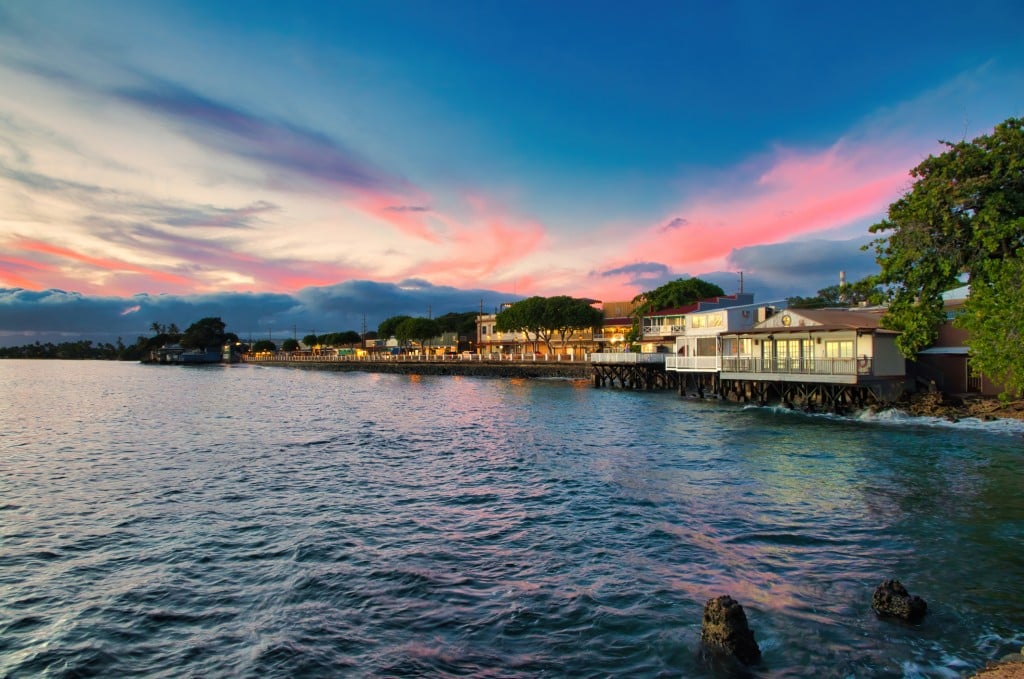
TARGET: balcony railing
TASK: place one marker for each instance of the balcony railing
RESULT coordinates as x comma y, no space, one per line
663,330
627,358
693,363
798,366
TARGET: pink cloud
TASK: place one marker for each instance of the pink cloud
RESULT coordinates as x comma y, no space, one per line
796,195
100,263
410,220
205,259
490,242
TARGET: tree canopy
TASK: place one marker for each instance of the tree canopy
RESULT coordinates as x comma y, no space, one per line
417,330
964,214
462,324
290,344
866,290
264,345
679,292
548,317
204,333
387,327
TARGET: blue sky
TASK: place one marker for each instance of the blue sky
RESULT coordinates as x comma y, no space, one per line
161,161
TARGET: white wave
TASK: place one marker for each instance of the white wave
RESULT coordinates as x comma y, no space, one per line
1005,425
900,418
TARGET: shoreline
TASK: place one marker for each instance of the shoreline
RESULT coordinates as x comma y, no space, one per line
509,370
956,408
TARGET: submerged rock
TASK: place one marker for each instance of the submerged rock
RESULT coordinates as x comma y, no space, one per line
892,599
724,629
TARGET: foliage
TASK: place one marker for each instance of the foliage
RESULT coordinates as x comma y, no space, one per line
567,316
386,328
677,293
81,349
348,338
866,290
994,313
964,214
311,340
290,345
417,330
264,345
204,333
462,324
547,317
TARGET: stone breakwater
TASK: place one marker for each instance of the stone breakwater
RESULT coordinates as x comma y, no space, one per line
513,370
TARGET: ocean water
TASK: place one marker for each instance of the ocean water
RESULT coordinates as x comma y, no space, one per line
239,521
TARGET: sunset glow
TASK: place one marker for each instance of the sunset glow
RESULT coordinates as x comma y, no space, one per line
184,150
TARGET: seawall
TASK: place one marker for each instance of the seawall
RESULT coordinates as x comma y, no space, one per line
507,369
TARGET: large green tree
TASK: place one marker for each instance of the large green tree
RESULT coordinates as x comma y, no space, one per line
462,324
204,333
417,330
568,316
387,327
679,292
964,214
545,318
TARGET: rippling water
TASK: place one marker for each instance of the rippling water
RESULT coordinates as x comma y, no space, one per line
261,522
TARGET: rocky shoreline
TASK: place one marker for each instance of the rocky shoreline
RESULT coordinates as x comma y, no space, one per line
954,408
1009,667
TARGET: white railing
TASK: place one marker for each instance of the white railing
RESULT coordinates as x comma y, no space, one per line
799,366
627,357
663,330
693,363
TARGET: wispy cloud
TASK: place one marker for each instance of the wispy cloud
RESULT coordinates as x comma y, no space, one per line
287,150
675,223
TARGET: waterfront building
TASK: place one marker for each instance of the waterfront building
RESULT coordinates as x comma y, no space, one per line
815,355
659,329
616,324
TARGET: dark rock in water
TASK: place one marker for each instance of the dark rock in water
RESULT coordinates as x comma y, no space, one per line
725,629
892,599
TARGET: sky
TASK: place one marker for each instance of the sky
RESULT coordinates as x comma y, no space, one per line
298,167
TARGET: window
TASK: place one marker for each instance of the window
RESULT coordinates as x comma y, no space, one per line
839,349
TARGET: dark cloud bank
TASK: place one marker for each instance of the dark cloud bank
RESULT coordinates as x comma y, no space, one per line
56,316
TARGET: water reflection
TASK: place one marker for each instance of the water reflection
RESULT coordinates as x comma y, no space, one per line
297,522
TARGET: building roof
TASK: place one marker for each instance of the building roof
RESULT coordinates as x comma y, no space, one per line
827,320
845,318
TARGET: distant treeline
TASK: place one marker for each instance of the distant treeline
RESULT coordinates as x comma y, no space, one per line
82,349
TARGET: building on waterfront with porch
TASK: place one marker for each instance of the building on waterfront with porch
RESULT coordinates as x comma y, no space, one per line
827,358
